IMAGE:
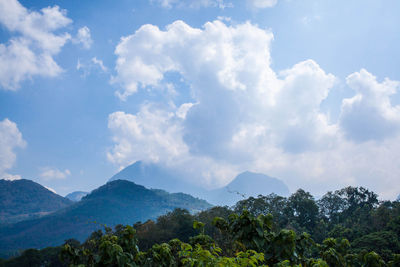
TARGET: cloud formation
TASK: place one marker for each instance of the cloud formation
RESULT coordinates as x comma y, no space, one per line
262,3
369,115
83,37
192,3
243,115
49,173
10,140
36,38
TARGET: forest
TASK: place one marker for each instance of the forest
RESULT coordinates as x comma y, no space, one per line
347,227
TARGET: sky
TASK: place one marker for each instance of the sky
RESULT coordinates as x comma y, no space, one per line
305,91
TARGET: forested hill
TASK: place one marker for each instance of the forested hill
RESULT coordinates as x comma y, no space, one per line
117,202
25,199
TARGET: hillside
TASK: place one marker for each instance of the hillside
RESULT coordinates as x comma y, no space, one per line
24,199
117,202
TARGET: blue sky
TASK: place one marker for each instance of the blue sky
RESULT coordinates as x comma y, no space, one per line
306,91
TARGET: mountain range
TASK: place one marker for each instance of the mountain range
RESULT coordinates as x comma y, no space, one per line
24,199
34,217
117,202
244,185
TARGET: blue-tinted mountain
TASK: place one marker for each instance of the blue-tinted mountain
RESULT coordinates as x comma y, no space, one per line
24,199
117,202
76,196
152,175
245,185
248,184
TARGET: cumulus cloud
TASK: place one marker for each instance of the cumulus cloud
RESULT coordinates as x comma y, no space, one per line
243,115
48,173
369,115
10,140
83,37
261,3
152,134
237,99
34,43
193,3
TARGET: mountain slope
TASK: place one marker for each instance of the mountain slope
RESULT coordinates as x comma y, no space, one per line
245,185
152,175
76,196
117,202
25,199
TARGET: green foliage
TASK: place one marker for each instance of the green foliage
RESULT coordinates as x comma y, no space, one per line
253,243
251,236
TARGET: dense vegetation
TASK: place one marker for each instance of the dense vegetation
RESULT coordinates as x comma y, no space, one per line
25,199
117,202
349,227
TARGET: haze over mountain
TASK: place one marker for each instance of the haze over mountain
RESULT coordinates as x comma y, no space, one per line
76,196
117,202
152,175
248,184
24,199
245,185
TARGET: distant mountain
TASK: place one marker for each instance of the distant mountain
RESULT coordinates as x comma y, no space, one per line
76,196
24,199
117,202
398,198
152,175
245,185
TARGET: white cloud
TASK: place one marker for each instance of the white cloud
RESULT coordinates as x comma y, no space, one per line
48,173
11,177
100,64
89,66
245,116
193,3
34,43
369,115
262,3
152,134
10,139
83,37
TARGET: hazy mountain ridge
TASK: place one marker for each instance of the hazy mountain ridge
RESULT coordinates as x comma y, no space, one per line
24,199
152,175
76,196
117,202
245,184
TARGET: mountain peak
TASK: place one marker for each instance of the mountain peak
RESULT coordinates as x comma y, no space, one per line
248,184
24,199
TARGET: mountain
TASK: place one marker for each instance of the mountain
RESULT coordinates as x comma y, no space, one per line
245,185
117,202
24,199
76,196
152,175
